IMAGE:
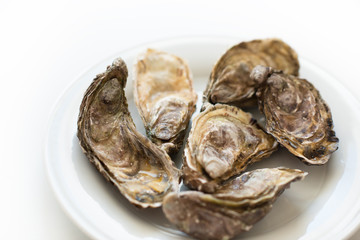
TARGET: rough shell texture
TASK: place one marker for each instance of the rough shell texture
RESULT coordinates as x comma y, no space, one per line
229,80
296,115
234,208
164,97
142,172
222,142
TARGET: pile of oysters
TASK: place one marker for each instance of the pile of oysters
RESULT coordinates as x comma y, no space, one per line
223,199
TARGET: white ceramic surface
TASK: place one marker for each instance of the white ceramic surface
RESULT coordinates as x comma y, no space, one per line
325,205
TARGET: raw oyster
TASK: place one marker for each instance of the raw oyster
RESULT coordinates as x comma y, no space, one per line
142,172
229,80
296,115
165,97
222,142
233,208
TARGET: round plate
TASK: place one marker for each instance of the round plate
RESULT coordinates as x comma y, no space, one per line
325,205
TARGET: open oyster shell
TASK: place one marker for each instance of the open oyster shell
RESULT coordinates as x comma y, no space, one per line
142,172
230,81
233,208
165,97
296,115
222,142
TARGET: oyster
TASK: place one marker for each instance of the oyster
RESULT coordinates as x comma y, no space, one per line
229,80
233,208
165,97
296,115
222,142
142,172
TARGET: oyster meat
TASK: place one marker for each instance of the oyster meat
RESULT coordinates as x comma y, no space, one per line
234,208
165,97
296,115
142,172
230,81
222,142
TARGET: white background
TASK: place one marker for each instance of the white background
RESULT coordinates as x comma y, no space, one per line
46,45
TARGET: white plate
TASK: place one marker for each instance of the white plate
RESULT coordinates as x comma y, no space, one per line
325,205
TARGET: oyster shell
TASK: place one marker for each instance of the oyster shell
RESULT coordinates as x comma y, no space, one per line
142,172
233,208
165,97
229,80
222,142
296,115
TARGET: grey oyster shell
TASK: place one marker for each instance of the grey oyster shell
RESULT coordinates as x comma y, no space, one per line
222,142
141,171
233,208
296,115
230,81
165,97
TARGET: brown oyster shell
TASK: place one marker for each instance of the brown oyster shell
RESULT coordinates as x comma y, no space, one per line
165,97
230,81
233,208
222,142
142,172
296,115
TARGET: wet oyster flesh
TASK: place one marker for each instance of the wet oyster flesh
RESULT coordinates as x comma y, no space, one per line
233,208
164,96
222,142
229,80
296,115
142,172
